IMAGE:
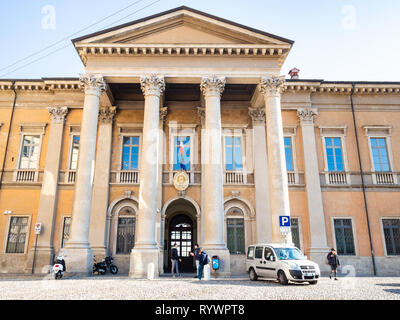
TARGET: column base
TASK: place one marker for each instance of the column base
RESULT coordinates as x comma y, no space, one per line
140,260
79,261
224,261
318,255
44,259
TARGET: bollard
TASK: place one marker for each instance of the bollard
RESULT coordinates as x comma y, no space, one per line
207,272
150,271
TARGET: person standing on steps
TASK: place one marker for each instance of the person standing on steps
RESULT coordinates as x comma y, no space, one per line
174,260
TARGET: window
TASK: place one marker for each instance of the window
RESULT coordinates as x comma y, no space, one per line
289,153
294,225
235,232
66,231
233,153
391,230
130,153
380,154
30,152
17,235
125,235
268,253
182,153
74,153
334,154
250,253
344,237
259,251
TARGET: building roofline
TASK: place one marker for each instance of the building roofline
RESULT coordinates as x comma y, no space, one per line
291,42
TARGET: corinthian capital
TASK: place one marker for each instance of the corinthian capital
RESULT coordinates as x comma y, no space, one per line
106,114
213,85
93,82
58,114
307,114
257,115
272,86
152,85
163,113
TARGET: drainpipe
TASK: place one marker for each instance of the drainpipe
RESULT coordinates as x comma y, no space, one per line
8,135
362,179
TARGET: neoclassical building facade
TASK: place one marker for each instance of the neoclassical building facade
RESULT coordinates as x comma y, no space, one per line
182,130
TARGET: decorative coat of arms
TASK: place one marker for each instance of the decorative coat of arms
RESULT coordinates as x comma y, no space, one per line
181,181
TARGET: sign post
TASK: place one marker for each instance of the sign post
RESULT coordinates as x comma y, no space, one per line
284,226
38,229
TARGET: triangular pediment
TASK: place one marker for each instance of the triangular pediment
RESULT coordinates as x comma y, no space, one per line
183,26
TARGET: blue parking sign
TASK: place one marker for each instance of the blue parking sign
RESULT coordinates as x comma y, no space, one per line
284,221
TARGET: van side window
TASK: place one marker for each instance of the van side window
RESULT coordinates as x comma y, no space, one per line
250,253
259,251
268,253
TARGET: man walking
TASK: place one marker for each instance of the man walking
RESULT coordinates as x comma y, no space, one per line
174,260
333,261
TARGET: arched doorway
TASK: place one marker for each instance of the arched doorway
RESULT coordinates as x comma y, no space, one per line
180,228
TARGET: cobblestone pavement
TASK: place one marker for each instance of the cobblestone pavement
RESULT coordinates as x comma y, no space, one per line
166,288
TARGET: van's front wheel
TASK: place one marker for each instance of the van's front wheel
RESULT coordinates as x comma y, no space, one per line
253,275
282,278
312,282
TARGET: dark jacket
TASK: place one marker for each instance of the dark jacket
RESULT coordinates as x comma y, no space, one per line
333,259
174,254
196,254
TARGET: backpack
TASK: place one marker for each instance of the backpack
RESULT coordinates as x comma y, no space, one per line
204,261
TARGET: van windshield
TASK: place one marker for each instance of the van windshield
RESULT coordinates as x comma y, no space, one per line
289,254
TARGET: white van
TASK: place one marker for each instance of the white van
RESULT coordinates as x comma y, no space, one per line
282,262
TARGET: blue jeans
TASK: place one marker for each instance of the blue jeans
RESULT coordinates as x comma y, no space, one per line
174,267
200,273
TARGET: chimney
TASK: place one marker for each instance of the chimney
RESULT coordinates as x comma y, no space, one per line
294,73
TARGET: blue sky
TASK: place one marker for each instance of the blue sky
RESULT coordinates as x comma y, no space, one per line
334,40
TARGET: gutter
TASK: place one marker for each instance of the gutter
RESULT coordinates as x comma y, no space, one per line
8,135
362,180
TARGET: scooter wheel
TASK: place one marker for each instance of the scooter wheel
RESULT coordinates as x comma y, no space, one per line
114,269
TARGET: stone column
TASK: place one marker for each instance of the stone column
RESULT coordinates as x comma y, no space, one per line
200,229
277,175
48,195
263,211
214,242
319,243
98,221
146,250
161,219
79,256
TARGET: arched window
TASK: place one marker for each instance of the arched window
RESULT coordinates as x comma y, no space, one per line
126,230
235,231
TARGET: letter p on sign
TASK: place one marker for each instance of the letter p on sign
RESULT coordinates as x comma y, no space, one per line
284,221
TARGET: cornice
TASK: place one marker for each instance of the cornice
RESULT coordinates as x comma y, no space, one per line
41,85
344,88
122,49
